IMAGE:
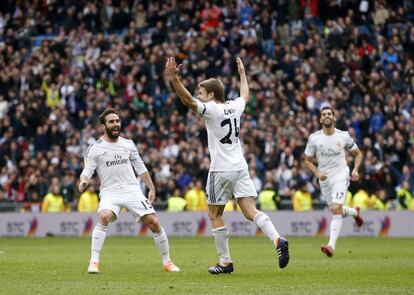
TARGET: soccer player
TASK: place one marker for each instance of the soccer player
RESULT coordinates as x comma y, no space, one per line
328,147
228,175
115,158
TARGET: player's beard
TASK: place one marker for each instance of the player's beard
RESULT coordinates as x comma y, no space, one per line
327,125
110,132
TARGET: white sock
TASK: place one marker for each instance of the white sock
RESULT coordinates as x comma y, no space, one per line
221,238
265,224
98,239
161,240
336,225
349,211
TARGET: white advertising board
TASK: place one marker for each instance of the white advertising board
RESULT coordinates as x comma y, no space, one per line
314,223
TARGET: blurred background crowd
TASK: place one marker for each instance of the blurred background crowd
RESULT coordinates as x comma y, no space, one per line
63,62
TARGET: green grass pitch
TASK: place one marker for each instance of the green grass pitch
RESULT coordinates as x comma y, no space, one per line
133,266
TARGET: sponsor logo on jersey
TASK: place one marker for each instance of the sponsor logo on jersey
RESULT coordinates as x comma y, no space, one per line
330,153
118,161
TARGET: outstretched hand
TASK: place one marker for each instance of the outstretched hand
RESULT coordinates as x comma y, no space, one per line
240,66
171,68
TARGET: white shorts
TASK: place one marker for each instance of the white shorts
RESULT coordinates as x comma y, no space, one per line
223,185
135,202
335,190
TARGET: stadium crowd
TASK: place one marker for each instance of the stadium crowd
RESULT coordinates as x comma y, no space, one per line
63,62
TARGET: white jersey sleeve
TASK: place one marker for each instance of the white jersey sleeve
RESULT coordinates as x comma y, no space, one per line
136,160
201,107
90,162
206,110
310,149
349,142
240,103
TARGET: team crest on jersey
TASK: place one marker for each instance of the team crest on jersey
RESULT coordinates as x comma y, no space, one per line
338,143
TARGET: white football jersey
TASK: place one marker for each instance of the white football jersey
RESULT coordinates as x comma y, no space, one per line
329,151
115,164
223,128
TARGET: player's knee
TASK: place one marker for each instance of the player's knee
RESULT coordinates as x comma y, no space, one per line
249,214
105,217
248,207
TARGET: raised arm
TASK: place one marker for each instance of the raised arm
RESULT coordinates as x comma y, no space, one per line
244,86
171,72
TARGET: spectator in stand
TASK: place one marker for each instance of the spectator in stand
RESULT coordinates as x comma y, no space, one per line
196,197
302,199
59,70
268,198
176,202
53,201
404,196
88,200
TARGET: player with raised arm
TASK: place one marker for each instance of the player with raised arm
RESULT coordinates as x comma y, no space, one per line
328,147
228,174
115,159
